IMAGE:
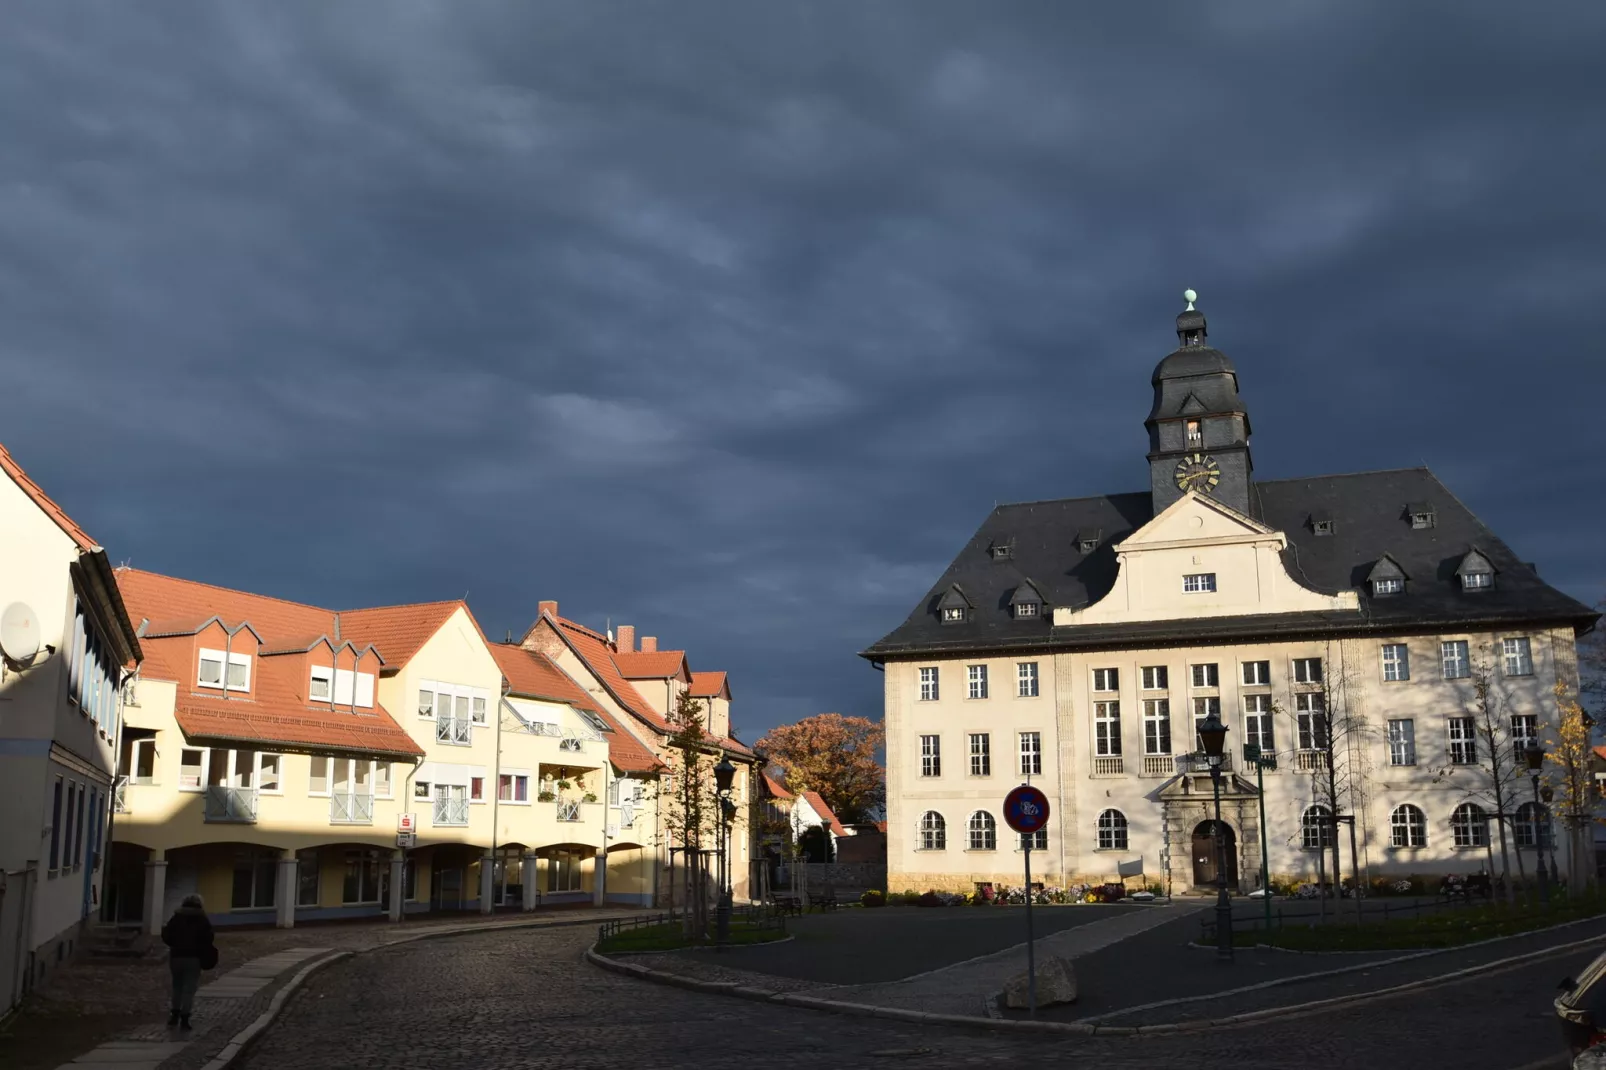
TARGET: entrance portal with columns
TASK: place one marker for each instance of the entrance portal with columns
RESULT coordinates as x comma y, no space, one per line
1188,809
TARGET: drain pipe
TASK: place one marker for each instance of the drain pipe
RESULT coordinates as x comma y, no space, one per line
407,802
496,764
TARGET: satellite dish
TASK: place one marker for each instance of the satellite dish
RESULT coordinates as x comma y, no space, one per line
19,633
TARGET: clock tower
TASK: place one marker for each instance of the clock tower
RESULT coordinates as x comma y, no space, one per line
1198,427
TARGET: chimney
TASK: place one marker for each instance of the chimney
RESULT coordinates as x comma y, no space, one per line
547,607
625,641
649,644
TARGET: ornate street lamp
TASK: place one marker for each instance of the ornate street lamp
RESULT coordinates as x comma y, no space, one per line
1213,737
724,776
1534,755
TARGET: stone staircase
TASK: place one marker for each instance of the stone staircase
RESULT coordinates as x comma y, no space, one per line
122,940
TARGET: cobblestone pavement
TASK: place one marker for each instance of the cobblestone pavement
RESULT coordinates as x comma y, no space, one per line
527,999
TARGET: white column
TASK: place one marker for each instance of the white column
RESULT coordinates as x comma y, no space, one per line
599,877
155,891
487,871
398,891
531,878
285,894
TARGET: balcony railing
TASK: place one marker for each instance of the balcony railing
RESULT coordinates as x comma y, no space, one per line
238,805
1310,761
453,730
1108,766
451,811
569,743
351,808
541,728
568,810
1159,765
1198,763
120,795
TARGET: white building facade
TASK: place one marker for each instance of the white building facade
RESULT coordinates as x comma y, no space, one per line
1367,631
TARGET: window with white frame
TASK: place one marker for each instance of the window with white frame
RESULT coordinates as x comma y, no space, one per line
212,674
953,614
476,789
1519,656
1469,824
382,789
1199,583
1307,670
1396,662
1203,707
1386,585
513,788
1402,741
1026,679
928,684
1106,680
1316,828
976,675
1310,713
256,878
1257,723
1257,673
933,831
1477,581
191,768
931,756
1107,729
1408,827
1463,741
142,761
1531,826
318,775
268,770
1111,830
1034,841
1031,754
1155,677
1206,675
1456,662
983,831
1025,610
981,757
1156,726
1524,729
322,686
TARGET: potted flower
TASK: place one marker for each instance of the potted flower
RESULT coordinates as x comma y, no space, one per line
564,785
590,796
546,796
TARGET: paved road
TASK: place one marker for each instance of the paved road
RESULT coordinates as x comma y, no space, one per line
527,999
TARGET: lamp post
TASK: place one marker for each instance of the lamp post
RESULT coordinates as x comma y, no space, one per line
1213,737
724,774
1547,794
1534,755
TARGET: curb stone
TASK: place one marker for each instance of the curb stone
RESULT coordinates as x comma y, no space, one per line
238,1043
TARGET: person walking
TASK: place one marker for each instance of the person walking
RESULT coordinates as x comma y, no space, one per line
188,935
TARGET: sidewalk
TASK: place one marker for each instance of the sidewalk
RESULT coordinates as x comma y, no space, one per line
93,1002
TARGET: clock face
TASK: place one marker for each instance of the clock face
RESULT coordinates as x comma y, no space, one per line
1198,472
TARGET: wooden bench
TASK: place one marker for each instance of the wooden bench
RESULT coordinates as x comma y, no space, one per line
788,904
825,900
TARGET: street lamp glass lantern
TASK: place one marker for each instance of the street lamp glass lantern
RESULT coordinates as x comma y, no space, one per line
1534,755
724,773
1213,735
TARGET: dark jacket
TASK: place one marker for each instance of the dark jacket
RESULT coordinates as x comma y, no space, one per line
187,932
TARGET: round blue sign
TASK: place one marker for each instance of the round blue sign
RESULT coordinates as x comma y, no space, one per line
1026,809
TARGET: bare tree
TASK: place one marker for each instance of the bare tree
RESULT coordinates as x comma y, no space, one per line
688,803
1332,730
1487,753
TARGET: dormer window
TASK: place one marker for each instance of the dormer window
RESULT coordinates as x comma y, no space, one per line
1421,515
1477,581
1195,436
321,689
212,673
1322,527
1001,551
954,608
1476,572
1025,610
1088,541
1387,585
953,614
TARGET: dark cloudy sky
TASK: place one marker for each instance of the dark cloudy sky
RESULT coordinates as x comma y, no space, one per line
732,320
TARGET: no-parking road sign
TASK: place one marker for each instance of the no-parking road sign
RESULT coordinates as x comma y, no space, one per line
1026,809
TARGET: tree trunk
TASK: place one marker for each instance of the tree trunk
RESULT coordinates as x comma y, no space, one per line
1511,890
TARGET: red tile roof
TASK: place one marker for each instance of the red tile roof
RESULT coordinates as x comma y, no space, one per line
370,732
650,665
594,650
708,685
398,632
56,513
529,672
825,812
776,788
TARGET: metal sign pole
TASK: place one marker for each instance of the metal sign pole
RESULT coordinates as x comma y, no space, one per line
1031,951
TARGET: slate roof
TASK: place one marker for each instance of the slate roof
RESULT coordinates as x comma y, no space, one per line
1369,520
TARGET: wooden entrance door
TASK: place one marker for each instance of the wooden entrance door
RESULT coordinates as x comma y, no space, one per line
1207,855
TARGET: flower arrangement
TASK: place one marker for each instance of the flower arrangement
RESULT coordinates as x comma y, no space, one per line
546,796
873,898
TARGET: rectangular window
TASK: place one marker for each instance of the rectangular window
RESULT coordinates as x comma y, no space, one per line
1519,657
1310,711
480,699
1202,709
1388,585
83,829
211,671
1155,677
239,672
345,687
1457,665
318,778
1107,729
977,675
931,756
256,874
928,684
1031,754
1396,662
1524,727
1156,726
307,877
1199,583
1106,680
1206,676
365,690
1257,723
426,702
512,788
323,681
1307,670
142,753
981,757
1257,673
1402,741
382,780
1026,679
1463,741
476,789
268,773
361,884
55,826
191,762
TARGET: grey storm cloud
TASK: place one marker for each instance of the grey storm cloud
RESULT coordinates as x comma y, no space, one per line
731,320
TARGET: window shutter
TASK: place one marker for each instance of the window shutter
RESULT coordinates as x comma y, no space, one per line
365,689
345,680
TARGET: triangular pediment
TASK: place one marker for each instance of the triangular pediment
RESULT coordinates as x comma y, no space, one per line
954,598
1197,517
1192,406
1026,591
1386,569
1475,562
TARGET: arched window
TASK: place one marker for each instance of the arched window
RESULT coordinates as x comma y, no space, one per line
1408,826
1470,825
983,831
933,831
1112,831
1316,828
1532,827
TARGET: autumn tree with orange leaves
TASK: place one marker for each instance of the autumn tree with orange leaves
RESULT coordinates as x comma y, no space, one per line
835,756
